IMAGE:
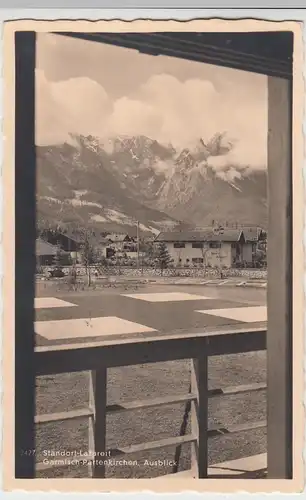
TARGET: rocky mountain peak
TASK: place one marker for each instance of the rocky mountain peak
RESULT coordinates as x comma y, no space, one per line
128,178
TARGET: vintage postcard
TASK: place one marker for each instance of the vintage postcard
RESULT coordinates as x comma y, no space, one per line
154,276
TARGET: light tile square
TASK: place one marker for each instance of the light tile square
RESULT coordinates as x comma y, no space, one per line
88,327
166,297
48,302
244,314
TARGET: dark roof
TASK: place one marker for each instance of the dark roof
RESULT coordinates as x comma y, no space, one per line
43,248
78,239
67,236
268,53
103,241
116,237
207,235
64,240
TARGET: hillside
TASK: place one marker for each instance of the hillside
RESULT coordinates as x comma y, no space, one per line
111,184
75,187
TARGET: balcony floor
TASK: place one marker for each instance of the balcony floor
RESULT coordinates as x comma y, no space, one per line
253,467
92,316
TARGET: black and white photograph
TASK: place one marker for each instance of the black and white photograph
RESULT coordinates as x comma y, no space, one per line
154,258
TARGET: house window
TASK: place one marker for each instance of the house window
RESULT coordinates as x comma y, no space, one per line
197,260
178,244
234,245
197,244
215,244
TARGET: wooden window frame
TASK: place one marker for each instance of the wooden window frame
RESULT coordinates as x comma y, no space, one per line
279,337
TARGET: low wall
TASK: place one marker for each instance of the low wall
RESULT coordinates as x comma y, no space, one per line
248,274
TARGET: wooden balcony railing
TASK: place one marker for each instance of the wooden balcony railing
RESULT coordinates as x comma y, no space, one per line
98,357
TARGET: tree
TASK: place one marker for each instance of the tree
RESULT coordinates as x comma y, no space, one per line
205,252
178,257
43,227
260,257
87,253
58,257
147,248
163,256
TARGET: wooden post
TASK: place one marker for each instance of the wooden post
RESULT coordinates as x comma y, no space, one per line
199,416
25,260
137,244
91,420
97,424
279,335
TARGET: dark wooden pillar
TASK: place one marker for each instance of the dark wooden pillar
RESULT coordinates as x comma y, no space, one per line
279,337
25,261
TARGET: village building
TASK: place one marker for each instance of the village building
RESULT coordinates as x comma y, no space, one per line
207,248
66,243
46,253
254,235
120,241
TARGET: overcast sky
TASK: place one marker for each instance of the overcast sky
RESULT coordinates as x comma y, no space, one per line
91,88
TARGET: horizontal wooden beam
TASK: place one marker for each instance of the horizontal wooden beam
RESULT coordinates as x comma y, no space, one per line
147,403
237,389
153,445
86,357
234,429
63,415
209,48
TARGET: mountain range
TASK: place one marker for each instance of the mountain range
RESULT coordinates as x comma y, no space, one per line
110,184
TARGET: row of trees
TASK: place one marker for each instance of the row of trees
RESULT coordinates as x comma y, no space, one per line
90,255
155,254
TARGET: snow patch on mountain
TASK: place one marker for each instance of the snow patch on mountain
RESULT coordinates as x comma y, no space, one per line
165,225
154,230
80,192
235,187
118,217
51,199
75,202
98,218
138,174
83,203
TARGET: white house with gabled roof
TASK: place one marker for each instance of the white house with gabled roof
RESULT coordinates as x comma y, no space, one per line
207,248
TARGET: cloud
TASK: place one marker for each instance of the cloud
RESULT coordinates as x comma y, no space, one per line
134,117
162,108
245,153
230,174
78,106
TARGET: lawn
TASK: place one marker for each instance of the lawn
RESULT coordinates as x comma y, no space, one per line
70,391
67,391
